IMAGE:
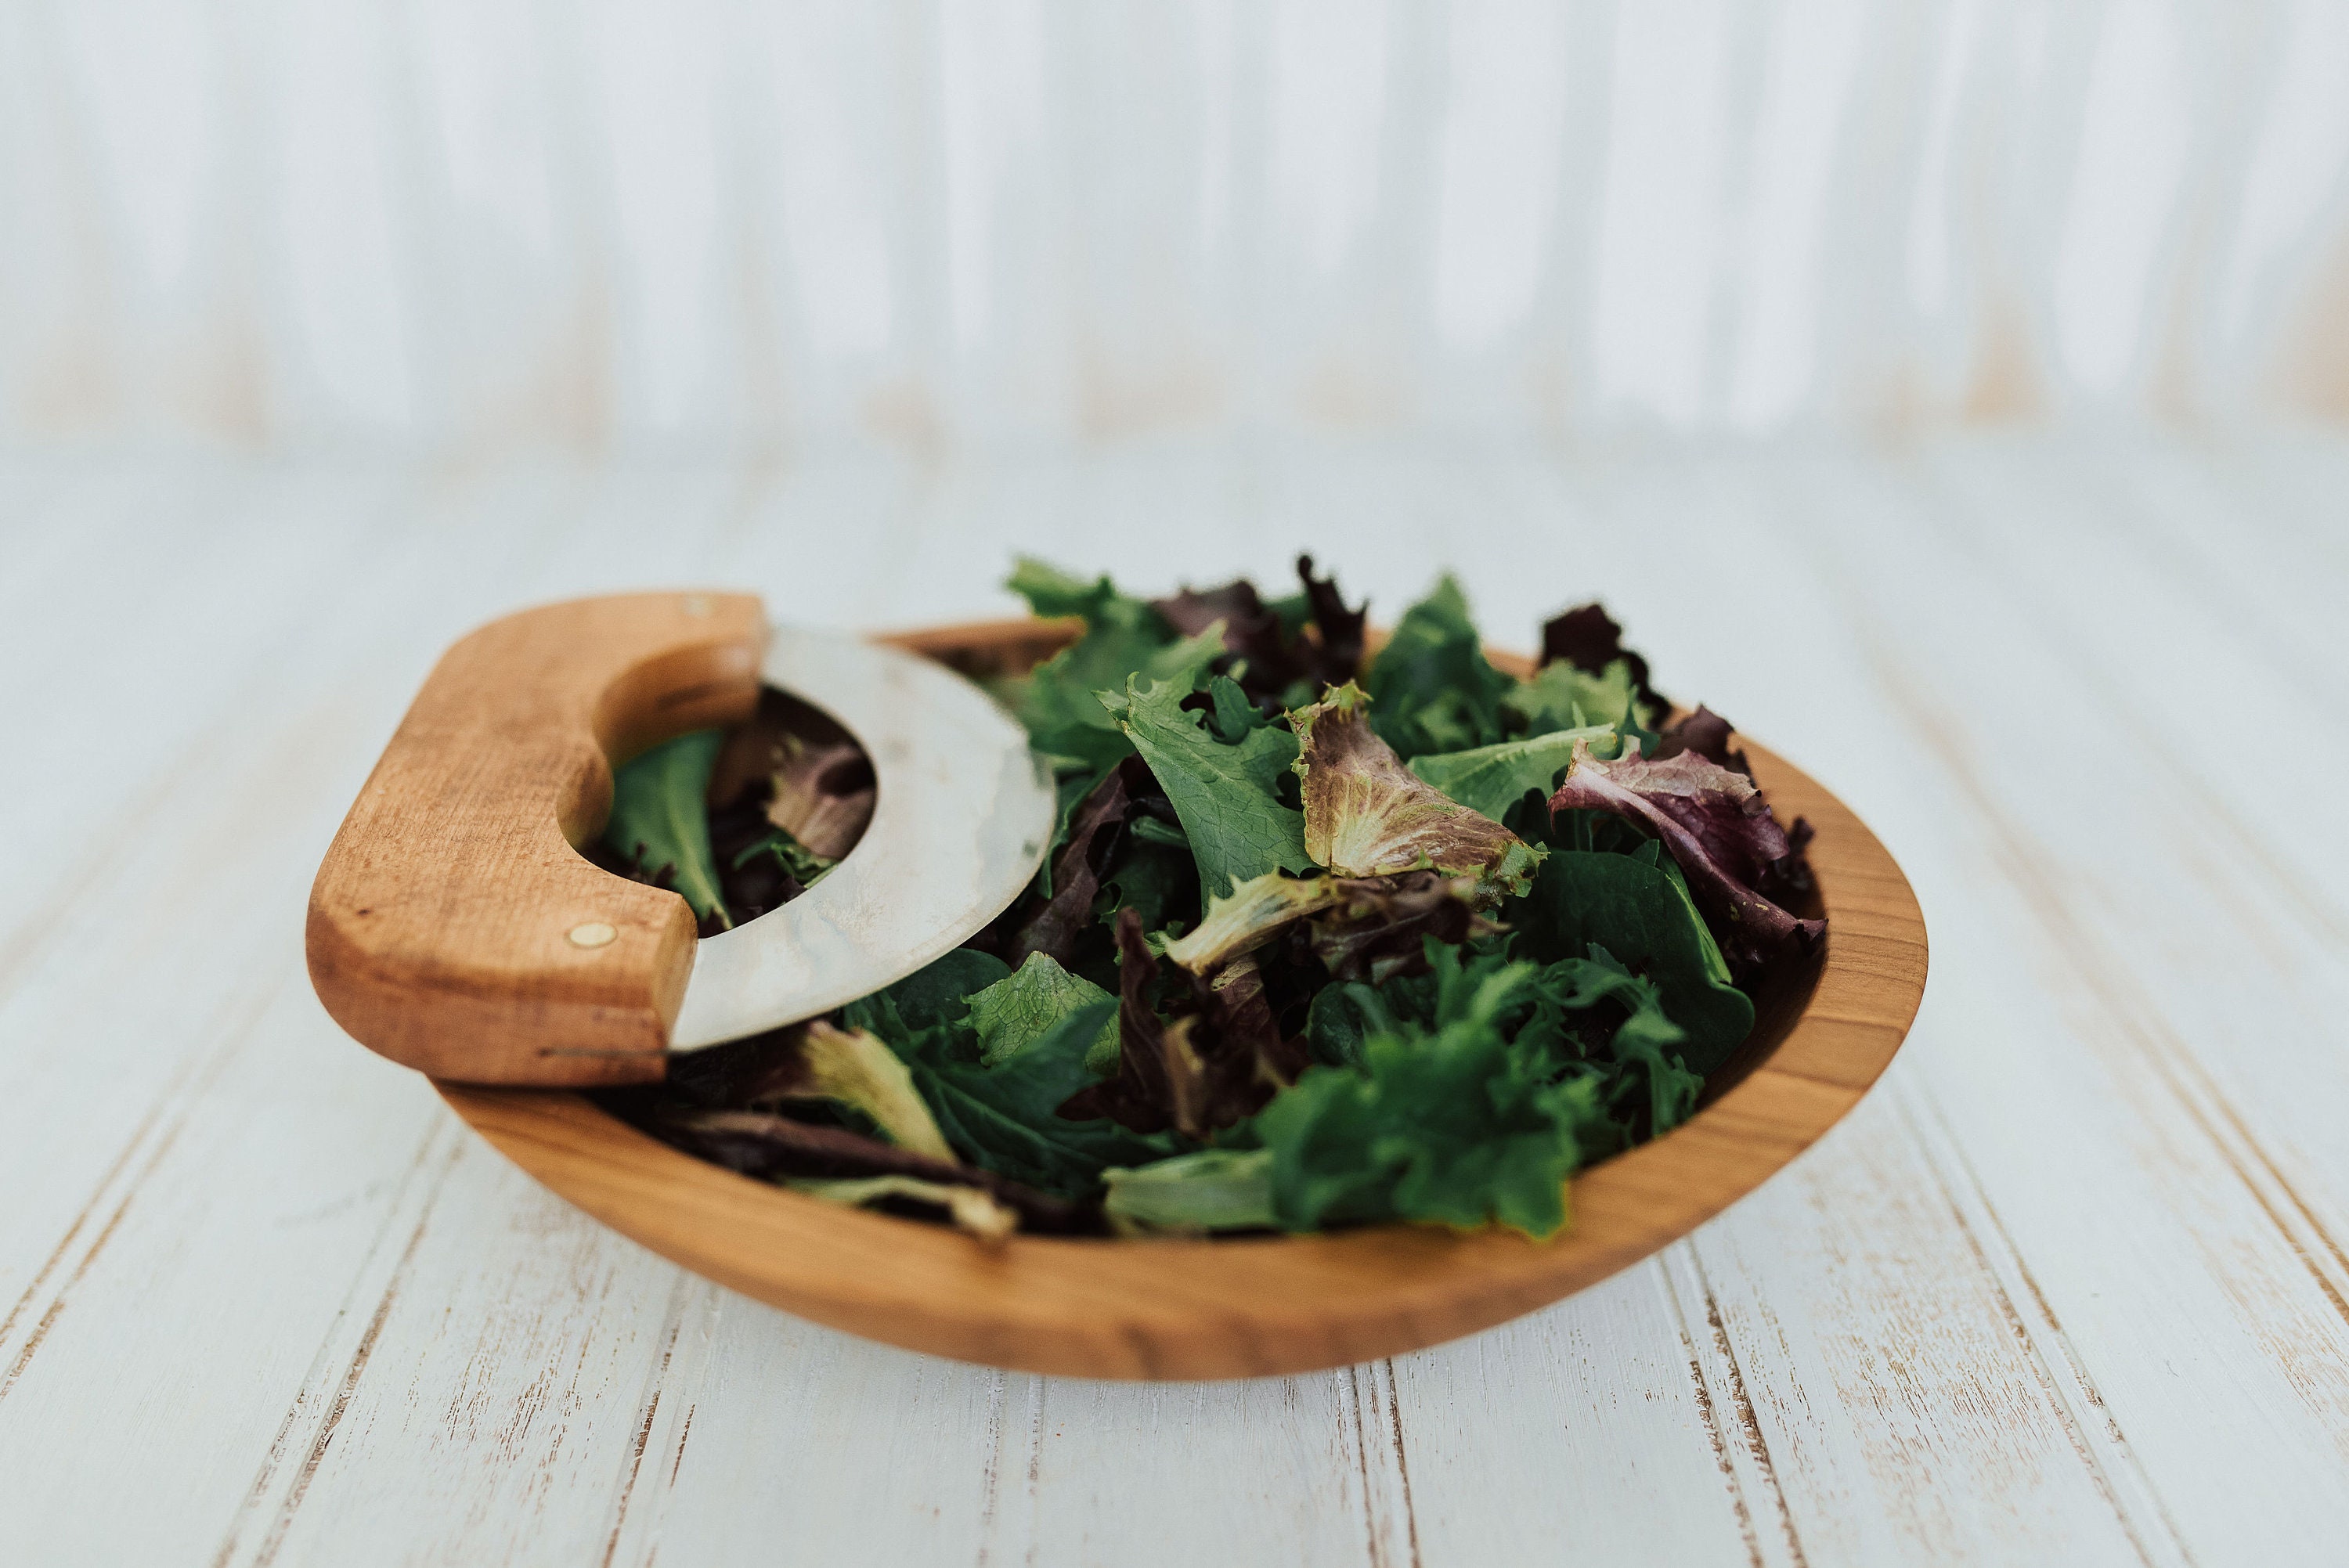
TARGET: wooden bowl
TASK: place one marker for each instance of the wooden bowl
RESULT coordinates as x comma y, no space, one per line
1102,1308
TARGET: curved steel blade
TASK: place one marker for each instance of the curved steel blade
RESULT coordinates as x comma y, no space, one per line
962,813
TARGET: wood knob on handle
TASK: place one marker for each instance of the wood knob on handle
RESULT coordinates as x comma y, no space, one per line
453,926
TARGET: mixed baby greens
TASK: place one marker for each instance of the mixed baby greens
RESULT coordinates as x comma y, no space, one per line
1322,939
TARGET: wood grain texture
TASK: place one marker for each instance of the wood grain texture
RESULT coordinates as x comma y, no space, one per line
2056,1292
1244,1307
442,924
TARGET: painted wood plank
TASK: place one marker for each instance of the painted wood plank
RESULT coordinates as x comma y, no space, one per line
1857,1415
1586,1431
133,917
167,972
1271,1470
791,1431
2172,1250
2056,529
1962,1326
308,735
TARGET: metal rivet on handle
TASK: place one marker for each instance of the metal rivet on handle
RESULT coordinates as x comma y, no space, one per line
592,933
699,606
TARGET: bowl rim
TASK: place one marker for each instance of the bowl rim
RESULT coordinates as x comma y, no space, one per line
1199,1308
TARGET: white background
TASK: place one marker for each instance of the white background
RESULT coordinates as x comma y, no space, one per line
474,223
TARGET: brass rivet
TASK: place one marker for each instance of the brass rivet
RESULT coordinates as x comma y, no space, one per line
592,933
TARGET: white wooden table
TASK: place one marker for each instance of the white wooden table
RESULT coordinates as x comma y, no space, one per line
2072,1286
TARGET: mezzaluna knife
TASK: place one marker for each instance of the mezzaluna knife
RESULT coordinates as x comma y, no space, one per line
455,927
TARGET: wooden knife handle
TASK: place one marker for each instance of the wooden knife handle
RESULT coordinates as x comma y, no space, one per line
453,927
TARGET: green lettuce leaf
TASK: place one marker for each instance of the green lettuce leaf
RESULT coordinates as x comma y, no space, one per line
802,865
1431,688
971,1208
661,817
1052,593
1489,779
1159,883
1457,1124
934,999
1226,796
1062,703
1342,1019
1026,1004
1560,697
1640,914
1056,700
1650,1089
1250,915
1212,1190
853,1067
1230,716
1720,830
1366,815
1004,1118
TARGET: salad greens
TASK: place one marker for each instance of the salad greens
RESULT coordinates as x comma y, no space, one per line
657,819
1367,816
1224,782
740,823
1321,938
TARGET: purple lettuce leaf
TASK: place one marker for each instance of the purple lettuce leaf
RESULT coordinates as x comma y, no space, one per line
1338,656
774,1147
1095,828
1361,928
1707,734
1718,828
1252,631
1367,815
1137,1097
818,1061
1377,928
1276,655
1589,638
1214,1061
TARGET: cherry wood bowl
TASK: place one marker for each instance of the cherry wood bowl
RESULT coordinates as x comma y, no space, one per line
1178,1308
